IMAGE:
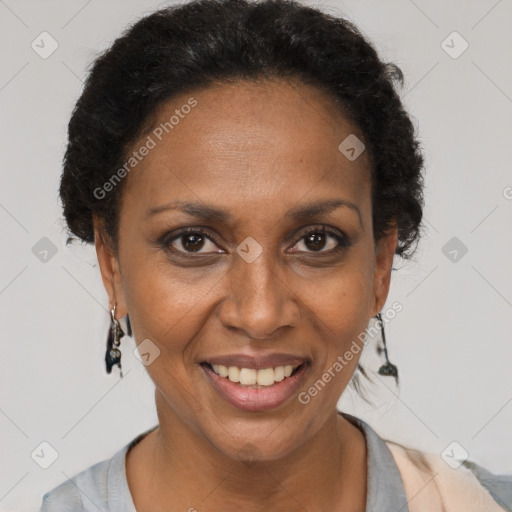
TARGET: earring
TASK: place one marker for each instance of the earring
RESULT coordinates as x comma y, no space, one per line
388,369
115,333
128,326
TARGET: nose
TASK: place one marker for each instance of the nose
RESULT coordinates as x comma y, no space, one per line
259,302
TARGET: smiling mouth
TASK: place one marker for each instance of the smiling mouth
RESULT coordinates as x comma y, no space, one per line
252,378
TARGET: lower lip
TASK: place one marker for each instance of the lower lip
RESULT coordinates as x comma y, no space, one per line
256,399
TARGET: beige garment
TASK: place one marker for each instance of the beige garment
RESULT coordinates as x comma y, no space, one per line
431,485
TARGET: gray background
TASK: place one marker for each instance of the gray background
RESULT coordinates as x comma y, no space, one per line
451,342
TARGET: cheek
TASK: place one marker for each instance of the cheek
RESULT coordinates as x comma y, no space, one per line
160,296
341,309
343,301
157,302
167,311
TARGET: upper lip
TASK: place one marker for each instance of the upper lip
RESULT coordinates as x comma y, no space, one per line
258,362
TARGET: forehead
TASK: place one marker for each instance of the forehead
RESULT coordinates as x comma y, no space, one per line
258,143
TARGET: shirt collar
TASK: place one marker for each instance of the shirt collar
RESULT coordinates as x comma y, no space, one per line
385,490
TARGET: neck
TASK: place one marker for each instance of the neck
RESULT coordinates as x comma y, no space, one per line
327,472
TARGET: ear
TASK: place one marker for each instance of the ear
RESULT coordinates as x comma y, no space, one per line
384,254
109,268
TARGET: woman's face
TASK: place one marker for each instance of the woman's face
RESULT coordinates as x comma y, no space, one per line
256,284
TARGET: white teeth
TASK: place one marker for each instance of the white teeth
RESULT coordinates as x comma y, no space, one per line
234,374
220,370
279,373
265,377
251,376
247,376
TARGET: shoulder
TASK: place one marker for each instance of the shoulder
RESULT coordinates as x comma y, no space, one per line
499,486
84,492
429,481
102,486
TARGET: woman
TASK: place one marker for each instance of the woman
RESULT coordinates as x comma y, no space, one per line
247,174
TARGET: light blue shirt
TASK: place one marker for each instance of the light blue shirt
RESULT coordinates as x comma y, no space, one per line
104,487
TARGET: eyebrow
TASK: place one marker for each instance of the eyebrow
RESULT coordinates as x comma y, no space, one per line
205,211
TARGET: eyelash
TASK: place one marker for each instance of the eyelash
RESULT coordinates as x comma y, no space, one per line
343,242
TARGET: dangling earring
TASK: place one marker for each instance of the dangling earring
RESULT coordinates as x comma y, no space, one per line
115,333
128,326
388,369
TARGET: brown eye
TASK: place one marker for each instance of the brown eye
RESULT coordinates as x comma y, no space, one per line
315,241
321,240
191,241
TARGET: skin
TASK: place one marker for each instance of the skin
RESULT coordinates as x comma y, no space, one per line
256,150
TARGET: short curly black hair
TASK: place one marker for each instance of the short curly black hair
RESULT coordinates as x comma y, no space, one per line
204,42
